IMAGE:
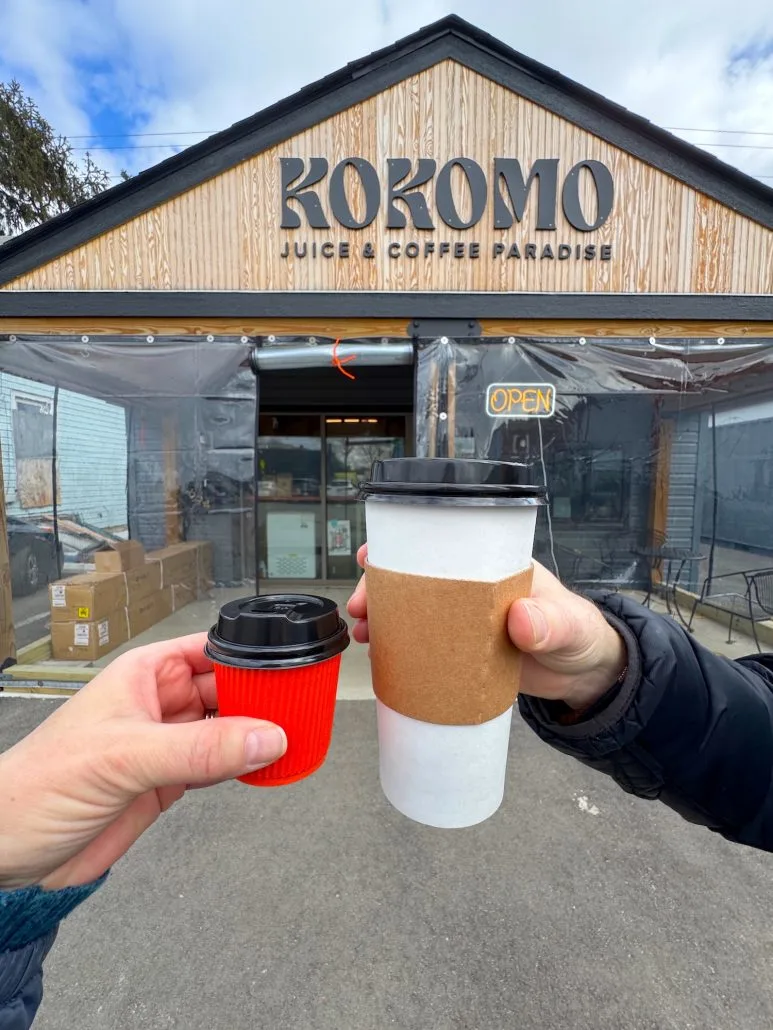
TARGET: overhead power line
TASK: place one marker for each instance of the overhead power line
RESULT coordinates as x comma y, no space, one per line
131,135
727,132
136,146
172,143
212,132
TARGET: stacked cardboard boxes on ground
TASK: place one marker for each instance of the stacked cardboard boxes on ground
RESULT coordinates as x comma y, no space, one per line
130,592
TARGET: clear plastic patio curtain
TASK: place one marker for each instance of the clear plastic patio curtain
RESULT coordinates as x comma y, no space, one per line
107,436
651,444
663,442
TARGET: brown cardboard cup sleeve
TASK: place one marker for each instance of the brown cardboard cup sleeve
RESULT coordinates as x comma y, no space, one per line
439,648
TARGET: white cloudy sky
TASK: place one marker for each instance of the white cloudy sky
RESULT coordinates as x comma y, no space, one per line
113,72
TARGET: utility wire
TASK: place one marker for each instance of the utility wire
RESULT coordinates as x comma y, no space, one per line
211,132
172,144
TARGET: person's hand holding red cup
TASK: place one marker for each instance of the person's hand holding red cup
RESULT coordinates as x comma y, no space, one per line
279,657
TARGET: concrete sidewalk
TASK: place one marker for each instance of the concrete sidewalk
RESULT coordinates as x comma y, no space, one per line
354,683
42,676
318,907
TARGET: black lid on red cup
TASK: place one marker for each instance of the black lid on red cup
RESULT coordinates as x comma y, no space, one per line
452,477
278,631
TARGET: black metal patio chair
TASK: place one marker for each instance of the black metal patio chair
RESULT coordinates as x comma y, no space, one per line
754,602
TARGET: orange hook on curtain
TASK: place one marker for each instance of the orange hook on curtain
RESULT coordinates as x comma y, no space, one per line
340,362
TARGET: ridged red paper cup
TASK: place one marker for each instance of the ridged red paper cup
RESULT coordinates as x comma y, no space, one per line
278,658
301,701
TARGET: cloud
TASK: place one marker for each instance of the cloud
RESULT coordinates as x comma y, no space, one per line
176,66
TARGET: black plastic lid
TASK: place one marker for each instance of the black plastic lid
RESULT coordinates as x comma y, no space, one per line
278,631
450,477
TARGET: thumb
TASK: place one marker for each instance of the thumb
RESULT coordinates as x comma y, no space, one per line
205,751
541,626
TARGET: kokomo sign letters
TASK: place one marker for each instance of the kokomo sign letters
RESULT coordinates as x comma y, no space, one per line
464,195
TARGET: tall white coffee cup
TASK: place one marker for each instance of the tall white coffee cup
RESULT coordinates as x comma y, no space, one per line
461,520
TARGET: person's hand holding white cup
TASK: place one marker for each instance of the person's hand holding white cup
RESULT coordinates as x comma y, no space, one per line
571,653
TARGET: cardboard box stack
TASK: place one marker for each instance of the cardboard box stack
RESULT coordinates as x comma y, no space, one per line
186,571
130,592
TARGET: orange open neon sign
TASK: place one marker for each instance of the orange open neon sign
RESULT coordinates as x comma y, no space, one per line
521,400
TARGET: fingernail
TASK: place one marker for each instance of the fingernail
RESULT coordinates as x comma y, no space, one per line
539,625
264,746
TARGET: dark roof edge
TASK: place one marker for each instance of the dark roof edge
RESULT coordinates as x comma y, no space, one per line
450,37
153,304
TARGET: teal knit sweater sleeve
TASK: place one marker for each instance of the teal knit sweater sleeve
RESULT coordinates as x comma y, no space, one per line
29,919
30,912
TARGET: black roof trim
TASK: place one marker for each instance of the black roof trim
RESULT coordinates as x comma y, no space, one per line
151,304
451,37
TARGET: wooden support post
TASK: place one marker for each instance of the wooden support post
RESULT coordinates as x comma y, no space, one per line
432,406
172,497
7,634
451,404
663,443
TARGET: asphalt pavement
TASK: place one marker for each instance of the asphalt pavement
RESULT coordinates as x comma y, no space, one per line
318,907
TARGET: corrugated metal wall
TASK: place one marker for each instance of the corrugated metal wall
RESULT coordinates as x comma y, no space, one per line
684,496
91,445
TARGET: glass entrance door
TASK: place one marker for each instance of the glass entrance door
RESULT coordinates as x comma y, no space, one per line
352,445
310,523
289,497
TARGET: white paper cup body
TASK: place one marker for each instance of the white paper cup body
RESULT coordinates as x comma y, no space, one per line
444,776
438,775
483,544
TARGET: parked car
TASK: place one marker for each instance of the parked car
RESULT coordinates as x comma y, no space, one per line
33,553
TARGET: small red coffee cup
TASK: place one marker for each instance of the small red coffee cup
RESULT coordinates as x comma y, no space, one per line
278,658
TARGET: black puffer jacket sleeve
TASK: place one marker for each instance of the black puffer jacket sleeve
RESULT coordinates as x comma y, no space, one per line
687,727
21,982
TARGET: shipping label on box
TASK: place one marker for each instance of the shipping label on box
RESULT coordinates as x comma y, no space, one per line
87,598
87,641
82,634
